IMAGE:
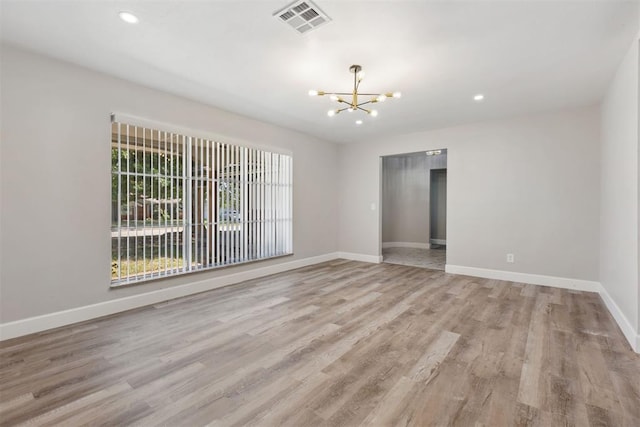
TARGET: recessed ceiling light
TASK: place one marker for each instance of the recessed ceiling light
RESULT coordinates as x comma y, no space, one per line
358,122
479,97
128,17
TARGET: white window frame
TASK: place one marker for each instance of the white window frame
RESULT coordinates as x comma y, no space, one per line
247,191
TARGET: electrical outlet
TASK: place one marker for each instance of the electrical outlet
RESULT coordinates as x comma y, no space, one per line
511,258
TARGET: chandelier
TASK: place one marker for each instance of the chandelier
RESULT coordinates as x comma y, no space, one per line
358,100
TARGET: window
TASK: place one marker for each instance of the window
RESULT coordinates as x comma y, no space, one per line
182,204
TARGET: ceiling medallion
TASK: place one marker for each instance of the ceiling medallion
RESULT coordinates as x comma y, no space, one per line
354,103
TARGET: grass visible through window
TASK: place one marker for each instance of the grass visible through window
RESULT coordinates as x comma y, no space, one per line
128,268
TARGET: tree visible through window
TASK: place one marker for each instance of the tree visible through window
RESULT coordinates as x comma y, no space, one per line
182,204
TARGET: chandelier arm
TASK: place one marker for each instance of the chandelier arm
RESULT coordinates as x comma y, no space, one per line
363,109
340,93
370,94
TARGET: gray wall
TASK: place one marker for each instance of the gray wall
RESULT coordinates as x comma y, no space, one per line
438,206
405,196
619,251
527,186
55,181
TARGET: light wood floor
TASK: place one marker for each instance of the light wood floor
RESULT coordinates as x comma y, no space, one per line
339,343
435,258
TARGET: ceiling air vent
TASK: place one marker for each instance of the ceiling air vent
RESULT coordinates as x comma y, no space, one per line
303,16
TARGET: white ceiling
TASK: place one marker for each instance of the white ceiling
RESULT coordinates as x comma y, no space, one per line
525,56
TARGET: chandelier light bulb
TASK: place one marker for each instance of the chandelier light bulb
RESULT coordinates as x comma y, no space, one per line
374,113
331,113
397,94
358,122
478,97
313,92
350,110
381,98
333,97
128,17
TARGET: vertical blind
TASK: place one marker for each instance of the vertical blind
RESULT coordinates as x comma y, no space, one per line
183,204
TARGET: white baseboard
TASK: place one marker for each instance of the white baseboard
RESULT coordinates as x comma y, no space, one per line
625,326
376,259
438,242
80,314
416,245
534,279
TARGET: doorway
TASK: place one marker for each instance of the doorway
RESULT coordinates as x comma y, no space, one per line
413,209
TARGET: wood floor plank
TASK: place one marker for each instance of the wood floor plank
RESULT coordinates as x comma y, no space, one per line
338,343
530,378
17,401
63,413
287,410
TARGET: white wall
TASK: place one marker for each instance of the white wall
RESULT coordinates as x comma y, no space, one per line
55,181
527,186
619,249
